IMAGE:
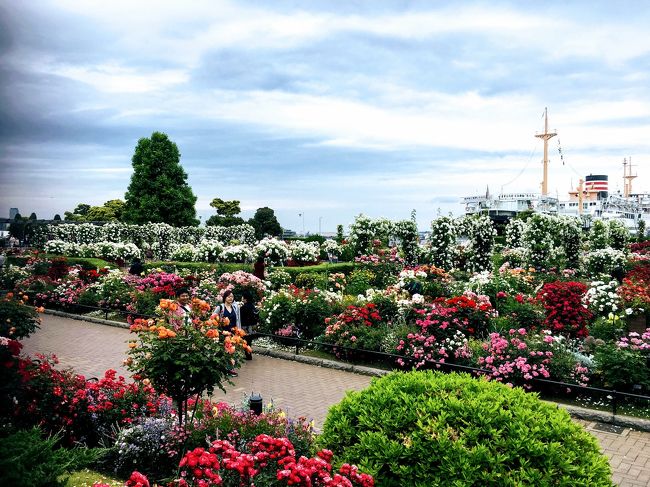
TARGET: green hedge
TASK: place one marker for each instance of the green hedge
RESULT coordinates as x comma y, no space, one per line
344,267
219,268
426,428
85,262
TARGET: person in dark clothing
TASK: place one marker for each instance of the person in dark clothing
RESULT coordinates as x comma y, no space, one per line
136,267
249,317
258,268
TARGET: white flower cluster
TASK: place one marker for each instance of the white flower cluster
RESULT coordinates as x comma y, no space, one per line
237,253
441,248
481,233
365,230
514,233
538,239
183,253
274,251
209,250
619,236
331,246
104,250
304,251
599,235
159,237
604,261
602,299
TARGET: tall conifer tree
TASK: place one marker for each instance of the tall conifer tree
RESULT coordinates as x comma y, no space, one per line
158,191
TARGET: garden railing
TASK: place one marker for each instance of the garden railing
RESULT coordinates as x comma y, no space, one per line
544,386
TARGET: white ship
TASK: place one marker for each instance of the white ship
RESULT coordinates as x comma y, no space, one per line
504,206
591,200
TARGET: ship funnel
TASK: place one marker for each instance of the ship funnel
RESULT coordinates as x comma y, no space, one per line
597,184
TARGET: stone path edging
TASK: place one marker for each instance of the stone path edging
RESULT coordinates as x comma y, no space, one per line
575,411
91,319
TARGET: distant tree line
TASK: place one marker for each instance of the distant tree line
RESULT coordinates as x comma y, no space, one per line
159,193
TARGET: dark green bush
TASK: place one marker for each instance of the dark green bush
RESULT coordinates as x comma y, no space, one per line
605,329
359,282
344,267
310,280
27,459
429,429
621,368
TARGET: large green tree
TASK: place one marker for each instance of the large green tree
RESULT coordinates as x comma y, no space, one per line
265,223
109,212
78,214
158,191
226,211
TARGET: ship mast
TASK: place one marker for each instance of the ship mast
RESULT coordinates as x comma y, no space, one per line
545,136
627,178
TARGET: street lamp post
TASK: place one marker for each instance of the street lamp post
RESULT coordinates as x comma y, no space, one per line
303,222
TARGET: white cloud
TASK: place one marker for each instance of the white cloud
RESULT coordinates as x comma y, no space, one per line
185,32
113,78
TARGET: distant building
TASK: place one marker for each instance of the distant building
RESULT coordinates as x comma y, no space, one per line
286,233
12,213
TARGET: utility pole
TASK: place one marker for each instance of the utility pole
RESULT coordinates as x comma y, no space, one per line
545,136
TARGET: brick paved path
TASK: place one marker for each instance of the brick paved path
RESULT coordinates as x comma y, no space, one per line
299,389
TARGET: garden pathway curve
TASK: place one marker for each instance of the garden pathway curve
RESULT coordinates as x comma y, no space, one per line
299,389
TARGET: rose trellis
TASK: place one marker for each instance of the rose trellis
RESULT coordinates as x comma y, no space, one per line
442,243
365,233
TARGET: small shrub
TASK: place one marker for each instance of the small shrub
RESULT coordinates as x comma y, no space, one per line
621,368
565,312
359,282
426,428
309,280
17,320
278,278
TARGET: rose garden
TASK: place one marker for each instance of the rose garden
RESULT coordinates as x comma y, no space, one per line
475,326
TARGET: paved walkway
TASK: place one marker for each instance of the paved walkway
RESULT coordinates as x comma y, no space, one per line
299,389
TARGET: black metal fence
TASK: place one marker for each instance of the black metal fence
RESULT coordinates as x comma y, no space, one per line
547,388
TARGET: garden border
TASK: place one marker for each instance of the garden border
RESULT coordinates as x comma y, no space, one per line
575,411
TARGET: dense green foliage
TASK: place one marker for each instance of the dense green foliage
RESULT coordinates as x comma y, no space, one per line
345,267
428,428
226,213
109,212
29,460
158,191
265,223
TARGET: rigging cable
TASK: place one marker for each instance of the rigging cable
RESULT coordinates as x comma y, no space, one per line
559,148
530,158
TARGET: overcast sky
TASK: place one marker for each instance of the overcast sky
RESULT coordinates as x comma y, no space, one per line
327,109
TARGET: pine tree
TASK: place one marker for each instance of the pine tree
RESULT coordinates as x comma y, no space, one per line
158,191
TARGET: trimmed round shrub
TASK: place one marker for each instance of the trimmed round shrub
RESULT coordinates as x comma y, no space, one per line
428,428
